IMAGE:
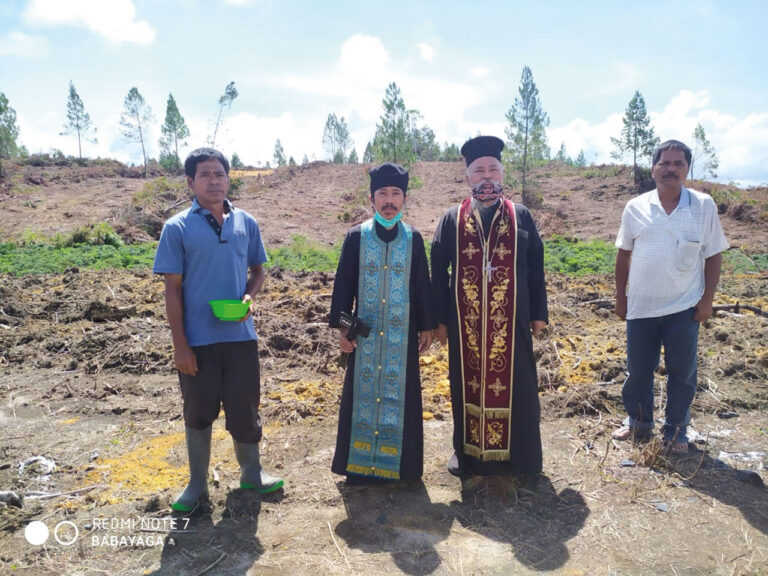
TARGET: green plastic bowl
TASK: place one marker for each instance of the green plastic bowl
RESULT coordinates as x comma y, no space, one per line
229,310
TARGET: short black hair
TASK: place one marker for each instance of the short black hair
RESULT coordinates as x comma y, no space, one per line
672,145
203,155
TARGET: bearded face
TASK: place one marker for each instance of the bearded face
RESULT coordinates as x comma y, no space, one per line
484,176
487,190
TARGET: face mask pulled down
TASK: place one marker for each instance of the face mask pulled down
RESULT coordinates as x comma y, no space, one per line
487,190
387,223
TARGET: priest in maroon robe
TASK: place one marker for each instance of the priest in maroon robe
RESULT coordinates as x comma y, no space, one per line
490,298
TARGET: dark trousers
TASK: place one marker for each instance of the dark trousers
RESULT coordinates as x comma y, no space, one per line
228,376
679,334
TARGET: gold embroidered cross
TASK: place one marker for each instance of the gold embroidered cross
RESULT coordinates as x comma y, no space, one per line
475,385
470,250
497,387
502,251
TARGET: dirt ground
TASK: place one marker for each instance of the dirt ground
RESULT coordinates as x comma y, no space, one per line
87,383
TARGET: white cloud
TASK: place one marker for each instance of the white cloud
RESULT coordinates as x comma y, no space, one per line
741,144
480,72
364,58
23,45
426,52
356,88
114,19
593,138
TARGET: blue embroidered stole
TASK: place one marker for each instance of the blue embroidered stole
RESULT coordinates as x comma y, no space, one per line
378,404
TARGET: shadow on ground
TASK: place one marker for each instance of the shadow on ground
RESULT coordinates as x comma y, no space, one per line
229,546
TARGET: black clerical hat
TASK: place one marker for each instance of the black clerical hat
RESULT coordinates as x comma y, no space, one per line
388,174
482,146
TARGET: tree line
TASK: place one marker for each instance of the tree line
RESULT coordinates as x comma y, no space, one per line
400,136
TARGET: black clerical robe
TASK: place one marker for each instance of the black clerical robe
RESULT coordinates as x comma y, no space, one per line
345,299
525,438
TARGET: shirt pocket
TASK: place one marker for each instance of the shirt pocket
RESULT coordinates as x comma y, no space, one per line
687,254
241,243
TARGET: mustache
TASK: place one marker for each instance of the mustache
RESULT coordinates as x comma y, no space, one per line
496,188
390,206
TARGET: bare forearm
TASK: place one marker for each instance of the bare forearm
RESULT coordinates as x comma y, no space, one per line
623,258
256,281
711,276
174,310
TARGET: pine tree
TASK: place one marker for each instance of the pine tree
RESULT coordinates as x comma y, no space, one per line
279,154
135,120
562,156
392,141
368,154
225,101
291,161
304,160
174,129
450,153
527,138
235,163
703,156
329,136
581,161
78,120
636,135
9,131
425,147
352,159
336,139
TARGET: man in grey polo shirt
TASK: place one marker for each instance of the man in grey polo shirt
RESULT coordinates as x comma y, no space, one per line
213,251
667,270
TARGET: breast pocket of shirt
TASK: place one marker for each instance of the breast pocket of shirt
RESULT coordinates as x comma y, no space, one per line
687,254
241,243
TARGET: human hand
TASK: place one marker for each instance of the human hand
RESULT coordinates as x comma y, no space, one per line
247,298
620,308
185,360
425,341
703,311
345,345
537,326
441,334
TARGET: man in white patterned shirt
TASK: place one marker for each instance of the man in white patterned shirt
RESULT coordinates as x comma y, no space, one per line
667,270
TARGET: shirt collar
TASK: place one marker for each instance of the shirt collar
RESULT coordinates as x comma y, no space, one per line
196,208
685,198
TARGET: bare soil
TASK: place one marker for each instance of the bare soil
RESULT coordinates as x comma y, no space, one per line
87,382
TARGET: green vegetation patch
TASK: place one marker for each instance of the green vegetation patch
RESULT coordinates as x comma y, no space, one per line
303,254
737,262
95,248
578,258
51,259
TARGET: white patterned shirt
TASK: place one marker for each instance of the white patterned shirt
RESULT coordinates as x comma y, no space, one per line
666,272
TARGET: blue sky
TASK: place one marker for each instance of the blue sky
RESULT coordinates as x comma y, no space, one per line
457,63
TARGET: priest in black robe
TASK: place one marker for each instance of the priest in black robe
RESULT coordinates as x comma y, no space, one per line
361,459
504,439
